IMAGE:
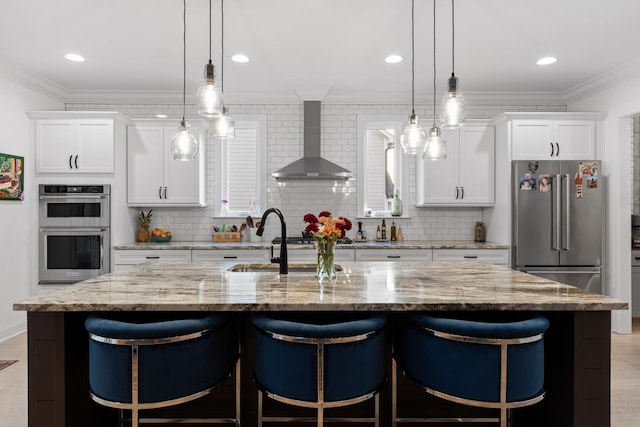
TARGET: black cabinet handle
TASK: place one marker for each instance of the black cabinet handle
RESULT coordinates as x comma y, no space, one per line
457,193
70,166
152,257
230,257
557,149
462,189
471,256
159,192
394,256
165,193
637,258
551,144
76,161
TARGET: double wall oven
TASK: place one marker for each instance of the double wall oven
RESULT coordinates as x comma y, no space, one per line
74,232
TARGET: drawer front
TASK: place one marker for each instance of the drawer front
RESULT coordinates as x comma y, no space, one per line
489,256
393,255
240,255
163,255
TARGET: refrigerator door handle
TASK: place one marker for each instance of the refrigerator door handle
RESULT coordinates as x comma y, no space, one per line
555,221
567,216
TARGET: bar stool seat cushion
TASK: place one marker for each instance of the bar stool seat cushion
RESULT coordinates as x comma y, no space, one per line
470,370
290,369
166,371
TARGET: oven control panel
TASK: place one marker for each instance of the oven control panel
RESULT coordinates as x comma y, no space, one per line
74,189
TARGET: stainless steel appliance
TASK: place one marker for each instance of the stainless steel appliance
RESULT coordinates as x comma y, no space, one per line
558,221
74,232
635,231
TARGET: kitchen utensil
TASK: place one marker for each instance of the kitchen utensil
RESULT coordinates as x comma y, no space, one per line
234,228
249,222
258,224
242,227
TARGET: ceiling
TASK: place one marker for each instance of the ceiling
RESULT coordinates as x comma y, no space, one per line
311,49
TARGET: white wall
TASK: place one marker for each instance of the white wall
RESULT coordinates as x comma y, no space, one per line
18,263
620,103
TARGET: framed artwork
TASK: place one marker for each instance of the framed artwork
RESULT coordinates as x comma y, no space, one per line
11,177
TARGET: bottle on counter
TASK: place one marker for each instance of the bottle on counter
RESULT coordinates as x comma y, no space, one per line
396,205
378,233
479,232
359,233
399,237
393,236
383,231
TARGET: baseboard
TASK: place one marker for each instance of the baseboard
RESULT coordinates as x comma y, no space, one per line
12,329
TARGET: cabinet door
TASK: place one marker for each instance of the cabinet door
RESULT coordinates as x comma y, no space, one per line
489,256
231,255
439,178
394,255
576,139
94,146
181,179
145,147
477,165
532,139
55,145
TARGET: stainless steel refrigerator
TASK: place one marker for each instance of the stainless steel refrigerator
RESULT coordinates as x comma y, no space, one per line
558,221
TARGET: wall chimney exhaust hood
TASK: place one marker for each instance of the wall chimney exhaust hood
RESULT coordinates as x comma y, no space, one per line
311,165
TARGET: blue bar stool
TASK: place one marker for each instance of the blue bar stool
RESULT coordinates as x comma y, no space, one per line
145,360
477,363
320,361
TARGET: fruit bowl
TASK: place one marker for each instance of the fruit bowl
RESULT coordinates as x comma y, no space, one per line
161,239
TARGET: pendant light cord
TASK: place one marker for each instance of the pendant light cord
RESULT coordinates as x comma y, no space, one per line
453,39
210,31
434,63
184,58
413,89
222,50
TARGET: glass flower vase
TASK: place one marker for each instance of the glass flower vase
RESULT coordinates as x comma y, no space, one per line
325,267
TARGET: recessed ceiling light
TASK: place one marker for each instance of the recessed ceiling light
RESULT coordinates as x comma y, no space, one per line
547,60
161,116
240,58
74,57
393,59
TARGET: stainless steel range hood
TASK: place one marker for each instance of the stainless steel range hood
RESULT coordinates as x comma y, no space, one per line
311,165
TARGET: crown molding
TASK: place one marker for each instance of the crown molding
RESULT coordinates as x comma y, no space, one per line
33,81
607,80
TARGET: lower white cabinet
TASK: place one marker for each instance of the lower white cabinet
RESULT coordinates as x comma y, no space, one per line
243,256
126,259
311,256
393,255
489,256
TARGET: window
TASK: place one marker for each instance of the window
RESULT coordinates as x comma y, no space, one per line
240,178
380,164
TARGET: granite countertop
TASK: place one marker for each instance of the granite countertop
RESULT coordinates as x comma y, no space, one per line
370,286
413,244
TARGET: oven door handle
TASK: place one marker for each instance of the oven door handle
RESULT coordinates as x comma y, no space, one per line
74,197
74,229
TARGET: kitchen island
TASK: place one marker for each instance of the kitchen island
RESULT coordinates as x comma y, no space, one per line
577,353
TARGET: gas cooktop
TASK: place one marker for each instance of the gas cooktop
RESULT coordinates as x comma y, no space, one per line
307,240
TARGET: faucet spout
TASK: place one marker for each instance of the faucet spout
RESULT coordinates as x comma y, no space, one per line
283,260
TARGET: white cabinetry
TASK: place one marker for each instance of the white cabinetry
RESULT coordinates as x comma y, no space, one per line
74,142
311,256
490,256
154,178
393,255
126,259
466,176
553,139
237,255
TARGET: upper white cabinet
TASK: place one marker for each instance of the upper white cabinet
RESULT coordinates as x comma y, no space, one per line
74,142
154,178
466,177
553,139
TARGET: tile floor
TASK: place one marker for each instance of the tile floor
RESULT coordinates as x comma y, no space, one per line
625,380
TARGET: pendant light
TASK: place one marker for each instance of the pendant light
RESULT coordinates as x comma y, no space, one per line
413,140
209,95
223,126
183,145
436,145
453,111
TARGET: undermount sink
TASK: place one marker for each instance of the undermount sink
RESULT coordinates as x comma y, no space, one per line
266,268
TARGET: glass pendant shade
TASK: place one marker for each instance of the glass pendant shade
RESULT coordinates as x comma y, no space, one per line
452,111
223,127
414,138
436,146
209,94
184,145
